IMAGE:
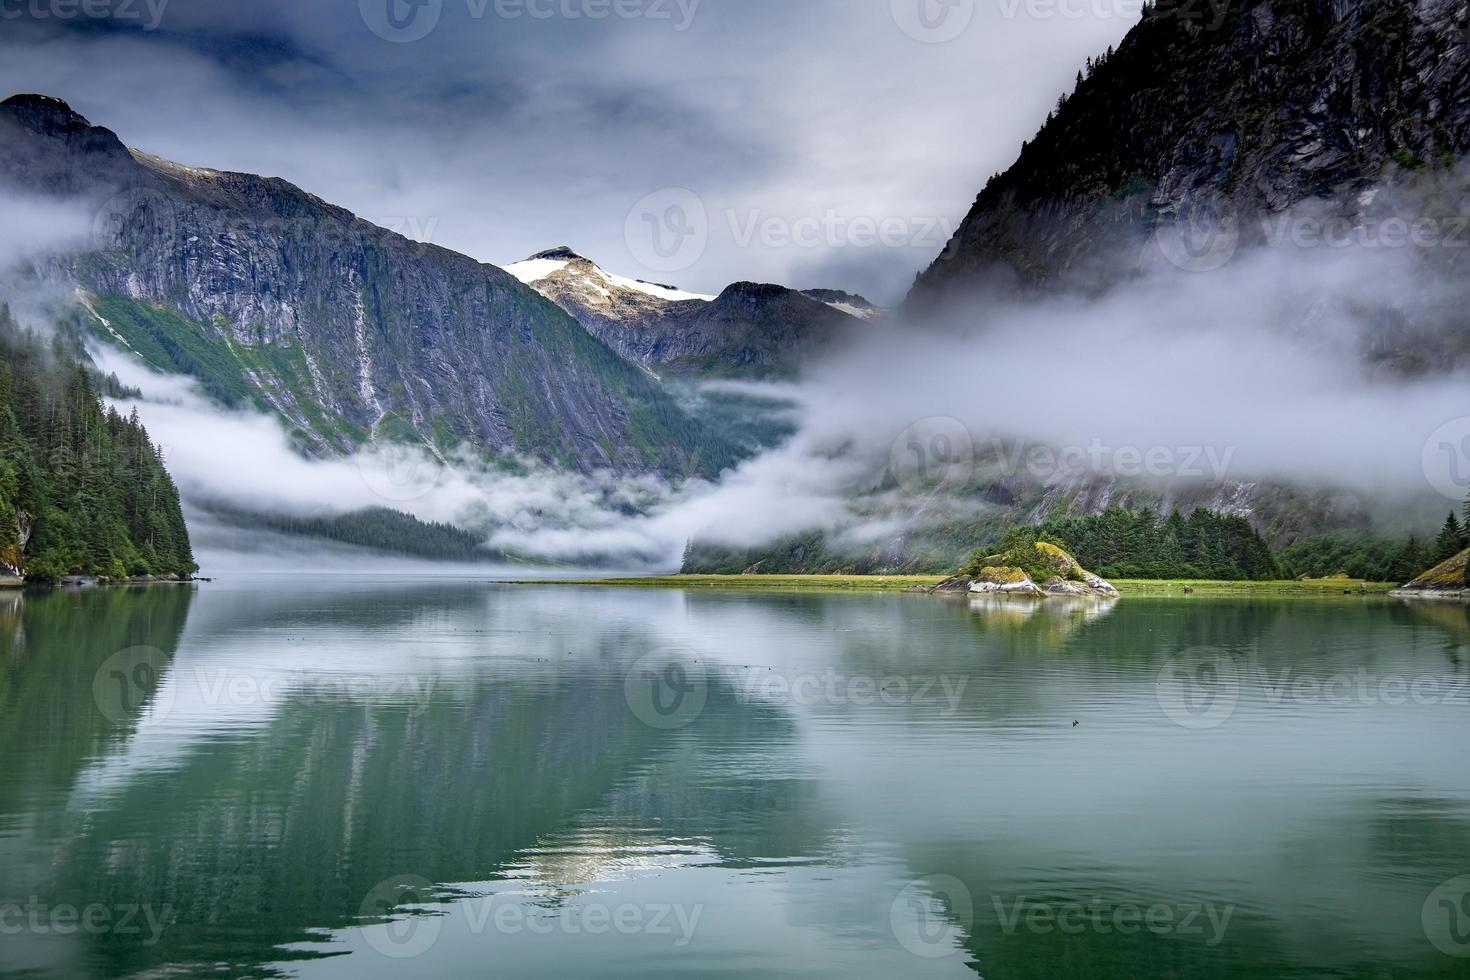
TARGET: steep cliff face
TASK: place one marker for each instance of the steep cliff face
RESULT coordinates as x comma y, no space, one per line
750,329
1209,120
341,327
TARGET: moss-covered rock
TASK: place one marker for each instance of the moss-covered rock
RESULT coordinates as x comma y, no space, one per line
1443,581
1004,580
1059,572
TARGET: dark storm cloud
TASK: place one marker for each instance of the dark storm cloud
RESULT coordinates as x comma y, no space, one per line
515,125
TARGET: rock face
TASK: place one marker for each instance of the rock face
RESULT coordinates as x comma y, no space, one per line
750,329
1003,580
1212,120
1444,581
340,326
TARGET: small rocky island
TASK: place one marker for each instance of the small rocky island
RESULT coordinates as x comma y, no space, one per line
1016,571
1443,581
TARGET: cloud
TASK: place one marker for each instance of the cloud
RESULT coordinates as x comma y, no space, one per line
502,133
31,227
1254,371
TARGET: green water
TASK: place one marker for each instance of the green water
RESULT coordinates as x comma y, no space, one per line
453,779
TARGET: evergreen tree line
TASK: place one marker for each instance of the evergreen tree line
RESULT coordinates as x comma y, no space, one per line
1375,558
87,485
1120,543
379,529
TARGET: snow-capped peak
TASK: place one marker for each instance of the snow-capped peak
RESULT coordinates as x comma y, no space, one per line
544,265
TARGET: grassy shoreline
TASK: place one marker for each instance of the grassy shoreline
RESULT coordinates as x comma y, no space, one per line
762,583
905,583
1310,587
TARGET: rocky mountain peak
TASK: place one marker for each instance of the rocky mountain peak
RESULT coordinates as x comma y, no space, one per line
46,143
562,253
44,114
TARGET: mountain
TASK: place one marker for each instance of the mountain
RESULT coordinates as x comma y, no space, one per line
81,491
1211,122
750,329
271,296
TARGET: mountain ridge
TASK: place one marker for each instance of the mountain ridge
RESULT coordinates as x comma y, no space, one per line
752,329
345,329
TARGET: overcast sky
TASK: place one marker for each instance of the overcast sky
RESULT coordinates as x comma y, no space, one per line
811,142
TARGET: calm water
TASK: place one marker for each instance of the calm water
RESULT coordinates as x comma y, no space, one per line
358,779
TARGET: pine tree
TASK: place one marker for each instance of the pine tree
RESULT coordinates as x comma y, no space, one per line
1451,540
89,482
1412,562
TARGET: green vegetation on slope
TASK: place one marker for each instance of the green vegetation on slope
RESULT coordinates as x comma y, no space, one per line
1357,554
266,377
81,491
1450,575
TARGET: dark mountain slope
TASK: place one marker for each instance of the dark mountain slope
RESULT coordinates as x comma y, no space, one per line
1202,128
343,328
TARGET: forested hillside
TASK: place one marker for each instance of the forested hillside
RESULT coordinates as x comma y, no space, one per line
1139,544
82,490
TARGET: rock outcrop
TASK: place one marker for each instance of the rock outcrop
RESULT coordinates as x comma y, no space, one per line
1059,572
1444,581
1007,581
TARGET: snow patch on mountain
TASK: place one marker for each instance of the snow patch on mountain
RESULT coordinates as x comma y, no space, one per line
544,265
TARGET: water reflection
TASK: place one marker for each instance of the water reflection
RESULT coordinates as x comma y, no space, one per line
314,756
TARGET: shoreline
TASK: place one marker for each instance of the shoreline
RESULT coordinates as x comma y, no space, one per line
920,584
14,584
